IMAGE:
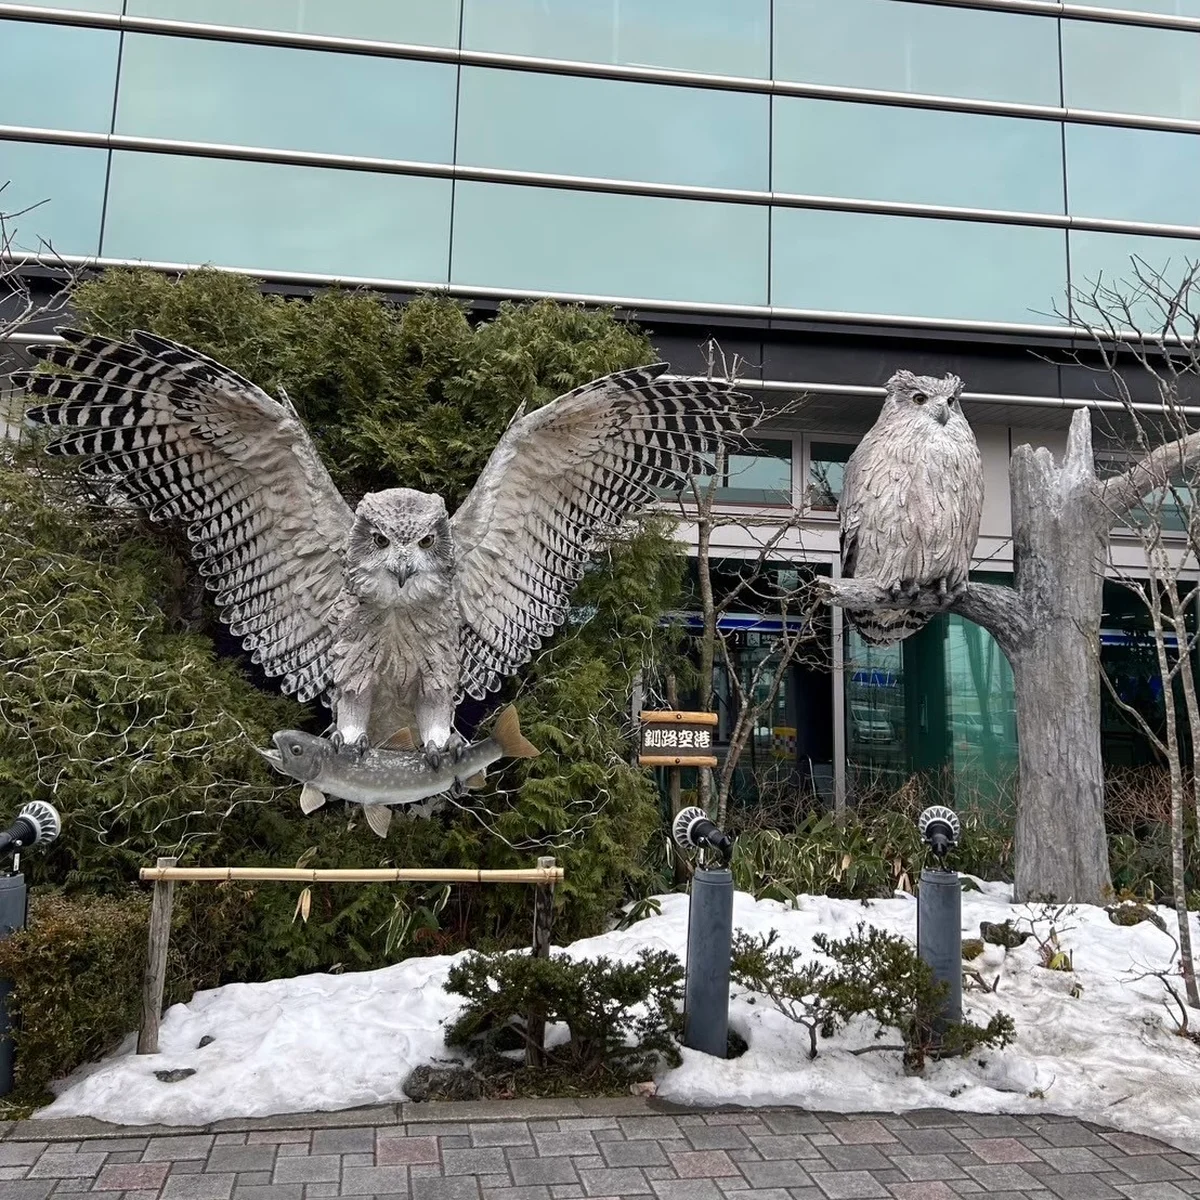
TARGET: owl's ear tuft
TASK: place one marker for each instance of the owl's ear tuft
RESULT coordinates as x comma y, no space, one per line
954,387
900,379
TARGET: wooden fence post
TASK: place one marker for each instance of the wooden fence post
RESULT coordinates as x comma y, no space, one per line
156,961
543,925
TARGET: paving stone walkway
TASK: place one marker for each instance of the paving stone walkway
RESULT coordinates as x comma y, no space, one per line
547,1150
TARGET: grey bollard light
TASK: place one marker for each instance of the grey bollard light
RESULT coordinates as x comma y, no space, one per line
939,912
939,936
710,934
13,912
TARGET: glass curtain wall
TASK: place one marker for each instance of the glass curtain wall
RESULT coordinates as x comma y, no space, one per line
942,704
403,156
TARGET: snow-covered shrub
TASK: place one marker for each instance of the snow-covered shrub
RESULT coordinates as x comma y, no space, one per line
622,1018
871,973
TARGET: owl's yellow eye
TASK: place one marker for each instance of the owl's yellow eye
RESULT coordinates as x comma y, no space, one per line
380,540
919,397
426,542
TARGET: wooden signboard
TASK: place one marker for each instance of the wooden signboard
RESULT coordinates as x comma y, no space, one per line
677,739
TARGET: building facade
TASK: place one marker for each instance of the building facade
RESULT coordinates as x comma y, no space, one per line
830,189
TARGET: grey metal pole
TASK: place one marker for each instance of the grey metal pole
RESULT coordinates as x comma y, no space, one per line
710,934
13,912
939,936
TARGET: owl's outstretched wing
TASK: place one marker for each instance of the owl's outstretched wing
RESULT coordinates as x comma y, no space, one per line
186,438
560,478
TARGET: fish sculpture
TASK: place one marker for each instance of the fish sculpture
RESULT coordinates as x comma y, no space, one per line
378,779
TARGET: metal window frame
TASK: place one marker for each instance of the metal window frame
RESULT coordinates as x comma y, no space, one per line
661,75
225,152
628,305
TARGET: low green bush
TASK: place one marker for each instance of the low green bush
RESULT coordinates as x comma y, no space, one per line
623,1018
77,976
871,973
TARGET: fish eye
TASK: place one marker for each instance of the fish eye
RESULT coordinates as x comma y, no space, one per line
380,540
919,397
297,750
426,542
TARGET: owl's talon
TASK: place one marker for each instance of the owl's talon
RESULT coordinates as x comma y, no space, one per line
433,757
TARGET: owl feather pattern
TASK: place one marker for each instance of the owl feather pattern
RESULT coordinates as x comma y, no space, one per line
393,611
912,498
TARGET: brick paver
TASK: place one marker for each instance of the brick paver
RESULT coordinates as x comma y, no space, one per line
594,1150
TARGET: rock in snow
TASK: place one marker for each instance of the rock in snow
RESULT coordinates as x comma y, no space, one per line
324,1042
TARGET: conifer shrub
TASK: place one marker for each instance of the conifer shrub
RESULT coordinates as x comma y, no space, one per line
870,973
623,1019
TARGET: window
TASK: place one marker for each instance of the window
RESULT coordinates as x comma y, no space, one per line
982,715
57,77
1169,508
420,22
926,48
826,468
101,6
760,473
173,208
723,37
918,267
613,129
66,183
1127,68
1158,179
876,714
546,239
223,92
1107,258
1169,8
877,152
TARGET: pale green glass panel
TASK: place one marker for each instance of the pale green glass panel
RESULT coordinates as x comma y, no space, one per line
1167,8
982,710
1131,69
265,215
547,239
57,76
880,152
98,6
917,267
62,187
934,49
420,22
1110,261
1159,179
613,129
227,92
718,37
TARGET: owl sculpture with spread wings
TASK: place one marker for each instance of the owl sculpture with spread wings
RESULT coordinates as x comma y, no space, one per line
911,502
394,610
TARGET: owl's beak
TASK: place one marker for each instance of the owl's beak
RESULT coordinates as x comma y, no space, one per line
942,413
403,571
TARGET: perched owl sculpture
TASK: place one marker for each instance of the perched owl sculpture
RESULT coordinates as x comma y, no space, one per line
912,497
394,610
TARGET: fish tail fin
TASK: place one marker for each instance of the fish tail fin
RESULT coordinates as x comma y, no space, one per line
507,734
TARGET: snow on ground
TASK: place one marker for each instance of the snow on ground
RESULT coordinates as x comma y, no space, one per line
327,1042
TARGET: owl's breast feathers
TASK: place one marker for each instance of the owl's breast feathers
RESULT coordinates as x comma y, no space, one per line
415,643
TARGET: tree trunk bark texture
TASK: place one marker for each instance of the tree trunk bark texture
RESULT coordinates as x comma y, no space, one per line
1060,548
